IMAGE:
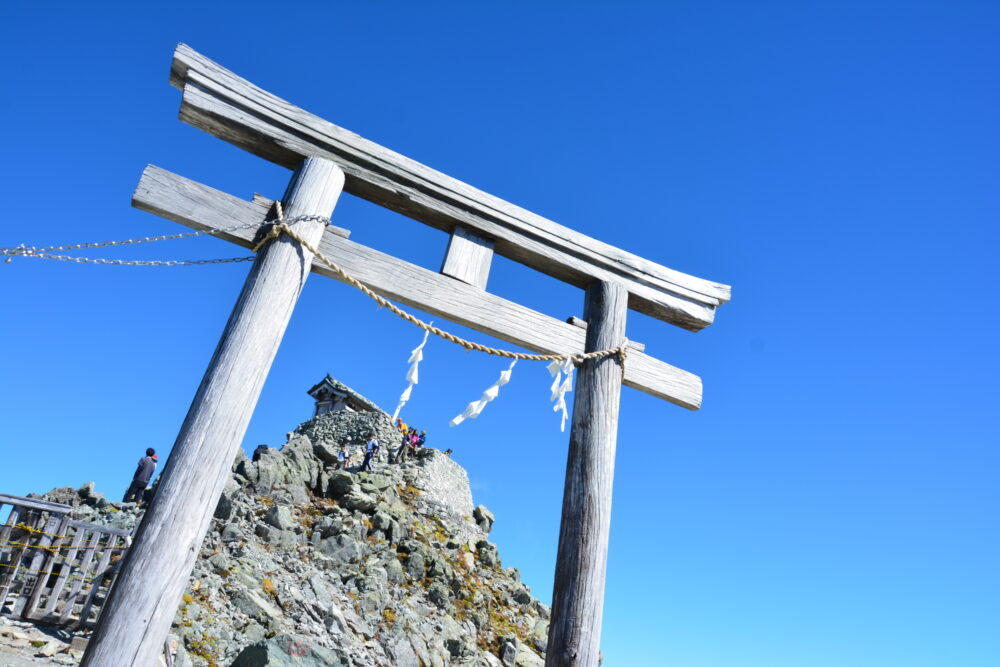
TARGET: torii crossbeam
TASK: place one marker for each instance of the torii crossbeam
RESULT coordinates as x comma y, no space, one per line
136,618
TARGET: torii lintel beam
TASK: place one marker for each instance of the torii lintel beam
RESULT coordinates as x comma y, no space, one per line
199,206
223,104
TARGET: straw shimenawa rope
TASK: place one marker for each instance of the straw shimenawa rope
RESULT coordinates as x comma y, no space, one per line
281,226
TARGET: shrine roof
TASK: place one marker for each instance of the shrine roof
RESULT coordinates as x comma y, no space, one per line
332,383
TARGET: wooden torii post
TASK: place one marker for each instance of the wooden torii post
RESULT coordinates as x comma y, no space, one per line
325,158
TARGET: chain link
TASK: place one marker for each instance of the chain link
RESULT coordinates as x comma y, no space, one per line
133,262
52,252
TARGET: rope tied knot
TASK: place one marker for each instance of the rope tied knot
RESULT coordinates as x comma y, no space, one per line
281,225
622,353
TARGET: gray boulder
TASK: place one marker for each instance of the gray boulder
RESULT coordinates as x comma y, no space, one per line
341,483
484,518
291,651
280,516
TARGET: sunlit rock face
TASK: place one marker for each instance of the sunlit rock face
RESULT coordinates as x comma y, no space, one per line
307,564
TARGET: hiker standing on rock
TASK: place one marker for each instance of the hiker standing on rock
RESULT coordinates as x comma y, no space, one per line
403,444
140,480
371,449
343,457
408,449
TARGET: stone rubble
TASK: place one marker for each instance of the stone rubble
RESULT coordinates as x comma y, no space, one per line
308,565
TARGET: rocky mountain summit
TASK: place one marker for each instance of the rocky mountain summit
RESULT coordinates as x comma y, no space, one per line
308,565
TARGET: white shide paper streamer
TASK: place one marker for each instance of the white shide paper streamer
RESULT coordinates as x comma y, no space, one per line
473,409
561,386
411,375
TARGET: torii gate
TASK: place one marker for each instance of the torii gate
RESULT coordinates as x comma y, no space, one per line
136,618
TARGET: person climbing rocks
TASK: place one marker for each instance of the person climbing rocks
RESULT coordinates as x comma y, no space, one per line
371,449
140,480
404,443
343,457
422,438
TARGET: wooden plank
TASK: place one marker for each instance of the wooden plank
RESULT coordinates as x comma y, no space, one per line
120,532
137,615
68,565
5,531
95,585
182,200
581,561
468,258
83,571
39,556
7,573
223,104
581,323
48,565
31,503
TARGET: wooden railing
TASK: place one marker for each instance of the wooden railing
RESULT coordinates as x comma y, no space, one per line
53,568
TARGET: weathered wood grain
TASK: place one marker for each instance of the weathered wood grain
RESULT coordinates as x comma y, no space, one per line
103,569
17,514
182,200
120,532
632,345
136,617
83,570
68,561
12,519
223,104
52,557
38,556
32,504
578,592
468,258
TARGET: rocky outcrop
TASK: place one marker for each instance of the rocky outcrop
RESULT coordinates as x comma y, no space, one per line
308,565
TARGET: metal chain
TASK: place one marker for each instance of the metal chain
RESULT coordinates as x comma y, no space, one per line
130,262
51,252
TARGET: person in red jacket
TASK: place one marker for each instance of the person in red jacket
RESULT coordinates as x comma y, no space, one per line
140,480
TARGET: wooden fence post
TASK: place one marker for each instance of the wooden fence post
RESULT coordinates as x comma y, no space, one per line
136,618
578,594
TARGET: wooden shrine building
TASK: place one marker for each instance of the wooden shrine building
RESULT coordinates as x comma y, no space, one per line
332,396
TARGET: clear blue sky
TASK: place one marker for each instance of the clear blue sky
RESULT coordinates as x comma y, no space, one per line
835,501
